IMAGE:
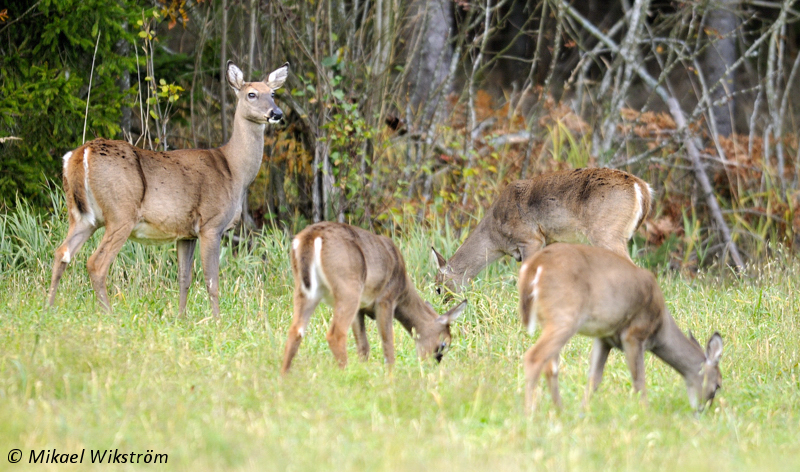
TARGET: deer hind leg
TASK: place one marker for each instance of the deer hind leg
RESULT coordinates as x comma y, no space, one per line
209,256
345,309
79,232
360,334
115,236
303,309
544,354
185,249
599,356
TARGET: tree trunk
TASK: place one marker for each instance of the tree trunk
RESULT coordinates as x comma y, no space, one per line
429,51
223,66
717,59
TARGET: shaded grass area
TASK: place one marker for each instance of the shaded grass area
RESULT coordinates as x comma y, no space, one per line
208,393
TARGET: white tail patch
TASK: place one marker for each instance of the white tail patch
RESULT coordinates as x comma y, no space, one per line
534,295
90,215
66,258
639,210
315,274
66,159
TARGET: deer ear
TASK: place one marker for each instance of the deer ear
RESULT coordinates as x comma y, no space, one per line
694,340
440,260
714,349
453,314
278,77
235,76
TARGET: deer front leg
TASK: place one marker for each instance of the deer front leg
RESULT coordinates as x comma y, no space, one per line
360,335
209,256
384,317
185,249
599,356
634,356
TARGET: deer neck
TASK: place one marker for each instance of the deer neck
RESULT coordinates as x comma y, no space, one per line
478,251
245,149
413,313
677,350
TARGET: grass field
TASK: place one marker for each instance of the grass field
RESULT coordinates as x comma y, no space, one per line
208,394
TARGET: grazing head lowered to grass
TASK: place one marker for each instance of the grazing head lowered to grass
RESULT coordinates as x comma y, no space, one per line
179,196
360,274
569,289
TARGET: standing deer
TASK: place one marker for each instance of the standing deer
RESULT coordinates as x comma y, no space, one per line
602,207
159,197
572,288
359,274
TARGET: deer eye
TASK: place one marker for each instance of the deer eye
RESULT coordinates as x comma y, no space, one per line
251,95
273,94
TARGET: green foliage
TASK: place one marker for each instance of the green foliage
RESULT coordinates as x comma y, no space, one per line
45,63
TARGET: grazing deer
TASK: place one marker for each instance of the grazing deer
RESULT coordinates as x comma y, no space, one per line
159,197
572,288
359,274
602,207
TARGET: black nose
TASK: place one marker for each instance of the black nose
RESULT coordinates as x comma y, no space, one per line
275,115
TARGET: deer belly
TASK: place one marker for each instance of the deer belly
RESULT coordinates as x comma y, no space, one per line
147,233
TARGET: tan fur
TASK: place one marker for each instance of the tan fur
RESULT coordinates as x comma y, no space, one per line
159,197
595,206
360,274
577,289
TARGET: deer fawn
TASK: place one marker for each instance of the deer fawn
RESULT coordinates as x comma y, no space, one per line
160,197
359,274
572,288
602,207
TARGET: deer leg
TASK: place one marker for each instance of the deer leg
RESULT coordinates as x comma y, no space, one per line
360,334
100,261
185,249
634,356
345,309
551,374
384,317
209,256
303,309
543,353
597,363
78,233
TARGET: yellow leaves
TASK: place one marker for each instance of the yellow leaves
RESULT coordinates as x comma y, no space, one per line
3,15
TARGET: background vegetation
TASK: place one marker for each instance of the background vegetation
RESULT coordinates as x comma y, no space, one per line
406,111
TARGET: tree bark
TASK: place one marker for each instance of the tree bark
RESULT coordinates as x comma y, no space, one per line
718,58
428,26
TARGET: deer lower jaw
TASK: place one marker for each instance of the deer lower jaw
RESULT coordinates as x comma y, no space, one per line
274,120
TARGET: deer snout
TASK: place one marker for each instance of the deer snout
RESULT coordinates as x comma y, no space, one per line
275,115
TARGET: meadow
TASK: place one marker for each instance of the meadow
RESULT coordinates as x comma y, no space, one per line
209,395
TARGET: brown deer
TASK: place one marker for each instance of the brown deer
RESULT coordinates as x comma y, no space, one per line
159,197
573,289
602,207
359,274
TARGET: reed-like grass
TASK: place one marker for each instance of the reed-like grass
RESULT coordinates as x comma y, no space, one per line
209,395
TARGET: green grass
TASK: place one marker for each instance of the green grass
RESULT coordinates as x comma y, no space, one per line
209,394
